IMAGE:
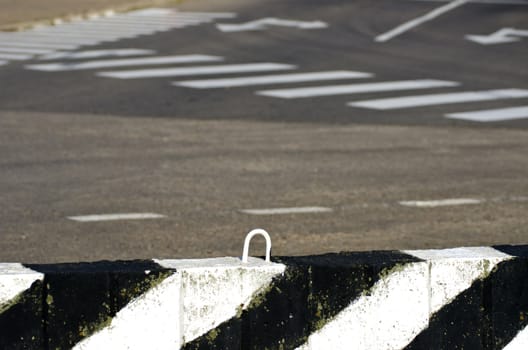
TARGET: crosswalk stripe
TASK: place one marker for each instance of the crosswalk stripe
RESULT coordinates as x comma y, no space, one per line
492,115
39,45
438,99
14,57
331,90
56,67
271,79
104,35
50,40
102,31
197,70
24,50
97,54
3,63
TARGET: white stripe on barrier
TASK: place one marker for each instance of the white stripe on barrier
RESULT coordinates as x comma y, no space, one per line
112,217
357,88
14,279
438,99
271,79
492,115
143,61
520,342
197,70
285,211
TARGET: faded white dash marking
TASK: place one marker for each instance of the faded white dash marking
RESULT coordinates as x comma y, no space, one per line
441,202
113,217
284,211
420,20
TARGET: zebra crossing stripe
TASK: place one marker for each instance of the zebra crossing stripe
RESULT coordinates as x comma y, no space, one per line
438,99
14,57
87,54
24,50
492,115
39,45
332,90
196,70
126,62
271,79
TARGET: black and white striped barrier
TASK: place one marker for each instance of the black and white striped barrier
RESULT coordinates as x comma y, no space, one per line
462,298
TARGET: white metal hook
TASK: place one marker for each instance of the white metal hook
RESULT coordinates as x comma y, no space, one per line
249,236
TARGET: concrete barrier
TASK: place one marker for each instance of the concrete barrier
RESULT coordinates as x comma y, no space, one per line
462,298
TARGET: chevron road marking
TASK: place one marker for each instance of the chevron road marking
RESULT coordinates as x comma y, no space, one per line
357,88
271,79
438,99
196,70
492,115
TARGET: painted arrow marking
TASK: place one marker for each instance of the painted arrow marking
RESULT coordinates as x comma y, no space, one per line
501,36
263,23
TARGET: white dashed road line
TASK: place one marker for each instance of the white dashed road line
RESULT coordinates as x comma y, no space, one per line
357,88
441,202
438,99
113,217
57,67
285,211
492,115
271,79
197,70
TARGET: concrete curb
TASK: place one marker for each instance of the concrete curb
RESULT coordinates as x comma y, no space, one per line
471,298
85,14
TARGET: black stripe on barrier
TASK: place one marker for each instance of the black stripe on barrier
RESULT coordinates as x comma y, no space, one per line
21,324
312,291
81,298
486,316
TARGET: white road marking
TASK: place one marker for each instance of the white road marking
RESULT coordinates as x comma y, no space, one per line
499,2
57,67
504,35
24,50
441,202
49,41
14,57
417,21
263,23
113,217
97,54
271,79
285,211
196,70
492,115
39,45
3,63
357,88
438,99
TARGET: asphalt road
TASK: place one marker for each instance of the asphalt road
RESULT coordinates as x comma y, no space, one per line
75,139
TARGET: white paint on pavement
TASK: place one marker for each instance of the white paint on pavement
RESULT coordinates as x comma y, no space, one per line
143,61
420,20
3,63
14,57
285,211
88,54
33,51
113,217
499,2
263,23
196,70
394,311
492,115
271,79
441,202
357,88
14,279
39,45
520,342
504,35
438,99
454,270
